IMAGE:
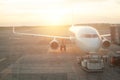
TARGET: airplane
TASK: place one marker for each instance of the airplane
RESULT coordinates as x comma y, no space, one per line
86,38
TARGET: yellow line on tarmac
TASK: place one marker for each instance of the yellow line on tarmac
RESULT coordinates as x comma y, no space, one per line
2,59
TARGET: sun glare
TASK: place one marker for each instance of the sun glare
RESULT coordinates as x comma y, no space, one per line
57,12
54,19
54,16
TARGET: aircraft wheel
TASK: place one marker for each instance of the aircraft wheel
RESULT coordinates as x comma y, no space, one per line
62,47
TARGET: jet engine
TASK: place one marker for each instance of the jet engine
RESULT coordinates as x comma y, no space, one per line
54,44
106,43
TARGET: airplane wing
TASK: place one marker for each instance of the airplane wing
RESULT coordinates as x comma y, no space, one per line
106,35
39,35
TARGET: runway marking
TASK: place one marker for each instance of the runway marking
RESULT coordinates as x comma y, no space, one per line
18,60
14,38
2,59
6,71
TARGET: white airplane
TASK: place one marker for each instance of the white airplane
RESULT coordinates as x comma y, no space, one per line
85,37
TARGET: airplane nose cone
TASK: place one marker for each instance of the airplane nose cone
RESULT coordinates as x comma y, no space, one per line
93,45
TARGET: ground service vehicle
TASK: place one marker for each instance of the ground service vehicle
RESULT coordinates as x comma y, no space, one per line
114,59
92,63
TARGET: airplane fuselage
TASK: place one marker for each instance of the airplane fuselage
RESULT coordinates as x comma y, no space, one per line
87,38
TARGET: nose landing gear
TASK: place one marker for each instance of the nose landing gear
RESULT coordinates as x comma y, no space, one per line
62,45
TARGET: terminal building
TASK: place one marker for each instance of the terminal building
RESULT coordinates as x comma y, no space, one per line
115,34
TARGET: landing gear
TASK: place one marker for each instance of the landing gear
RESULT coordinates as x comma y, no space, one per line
62,47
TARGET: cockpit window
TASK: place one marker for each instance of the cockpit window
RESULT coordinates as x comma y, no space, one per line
89,35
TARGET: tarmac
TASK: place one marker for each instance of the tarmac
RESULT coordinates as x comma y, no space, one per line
31,58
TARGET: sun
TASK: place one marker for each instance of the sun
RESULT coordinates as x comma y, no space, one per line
54,16
54,20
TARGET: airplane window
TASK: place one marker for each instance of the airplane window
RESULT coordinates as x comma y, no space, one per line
89,35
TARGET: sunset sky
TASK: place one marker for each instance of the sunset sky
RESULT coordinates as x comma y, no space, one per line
58,12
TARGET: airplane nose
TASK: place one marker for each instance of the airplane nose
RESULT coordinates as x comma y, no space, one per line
93,45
